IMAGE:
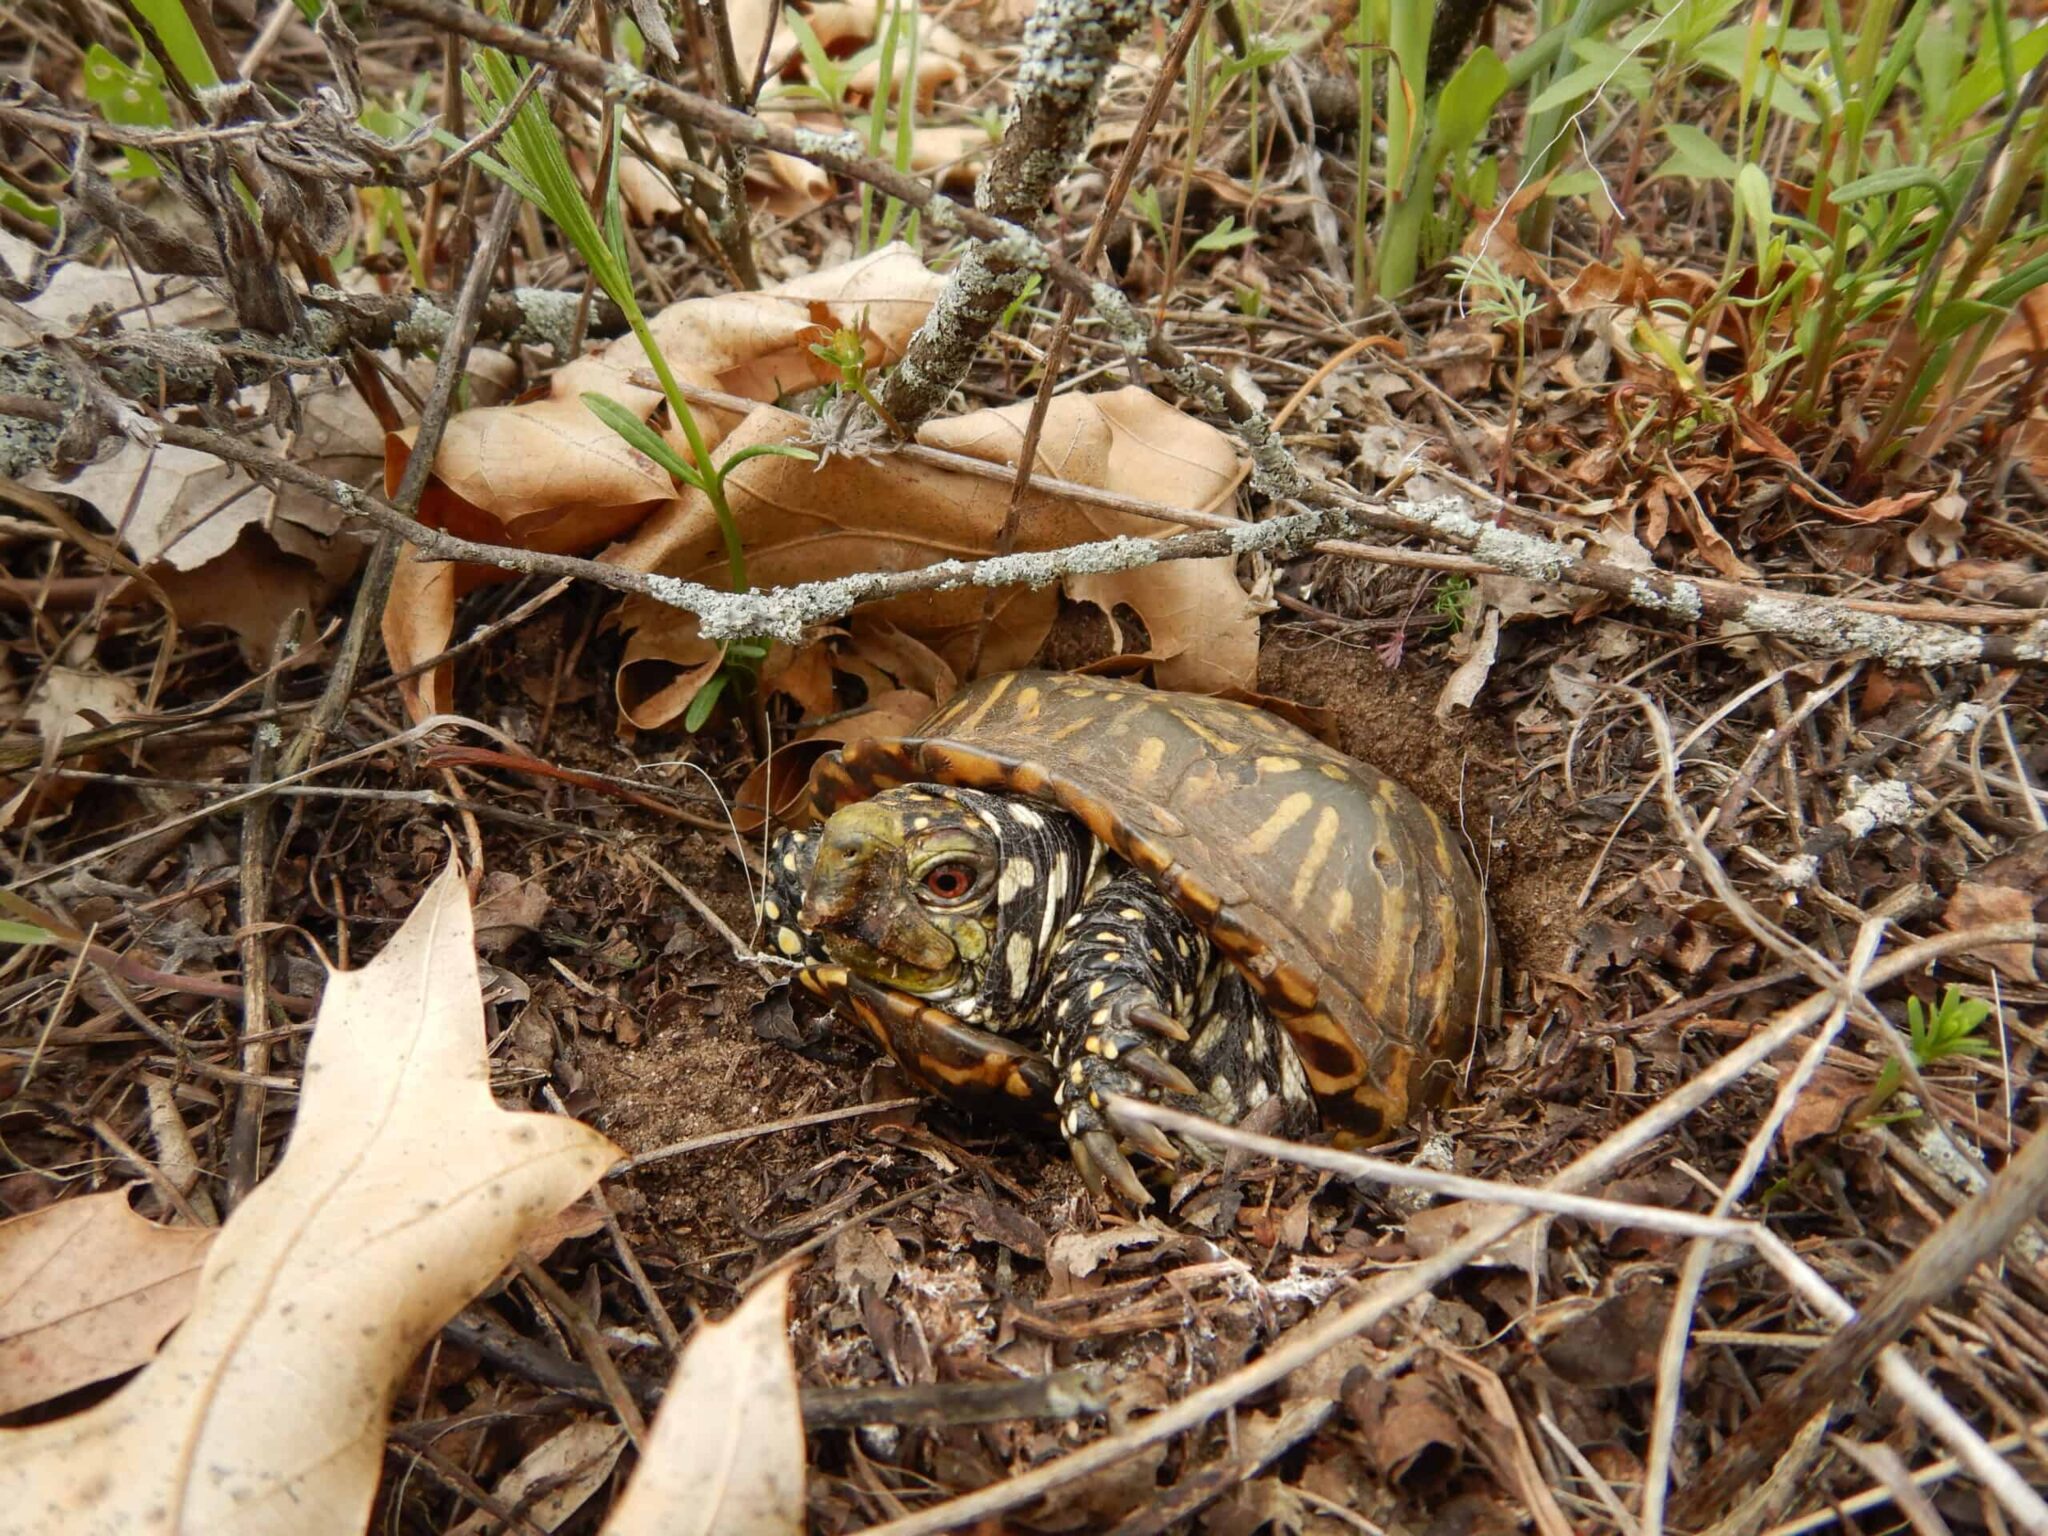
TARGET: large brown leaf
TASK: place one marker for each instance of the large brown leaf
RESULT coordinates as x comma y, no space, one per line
805,522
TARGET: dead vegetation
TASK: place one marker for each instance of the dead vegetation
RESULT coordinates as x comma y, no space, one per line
1635,443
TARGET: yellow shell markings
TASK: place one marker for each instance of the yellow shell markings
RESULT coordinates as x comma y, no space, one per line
1290,810
1322,843
1208,737
996,690
1146,760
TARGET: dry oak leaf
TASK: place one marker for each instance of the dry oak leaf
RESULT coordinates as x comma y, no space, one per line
546,474
88,1289
726,1454
403,1192
555,1479
811,522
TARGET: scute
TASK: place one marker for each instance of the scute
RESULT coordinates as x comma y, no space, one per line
1365,931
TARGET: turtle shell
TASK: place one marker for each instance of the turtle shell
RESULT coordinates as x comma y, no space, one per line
1339,894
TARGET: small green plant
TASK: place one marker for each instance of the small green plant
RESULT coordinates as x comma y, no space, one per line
1499,296
1452,601
1426,134
1950,1028
534,163
1226,236
847,352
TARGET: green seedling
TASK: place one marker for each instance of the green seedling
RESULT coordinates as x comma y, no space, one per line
848,353
534,163
1951,1028
1452,601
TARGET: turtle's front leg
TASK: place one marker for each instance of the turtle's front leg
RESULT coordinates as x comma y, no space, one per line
790,857
1126,984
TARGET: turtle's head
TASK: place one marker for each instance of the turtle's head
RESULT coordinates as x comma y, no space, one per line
903,892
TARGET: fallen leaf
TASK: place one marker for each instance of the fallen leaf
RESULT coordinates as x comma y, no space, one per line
403,1192
1404,1427
69,700
546,474
1821,1108
1434,1228
805,522
1877,510
566,1468
1938,541
88,1289
1463,685
726,1453
508,907
1979,904
1608,1343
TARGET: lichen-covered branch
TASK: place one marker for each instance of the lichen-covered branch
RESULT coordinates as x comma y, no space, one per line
1817,625
1069,46
190,367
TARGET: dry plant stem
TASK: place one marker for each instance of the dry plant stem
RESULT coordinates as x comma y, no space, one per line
376,583
1202,1486
1070,305
1814,624
245,1139
749,1132
234,803
1307,1341
439,1464
1975,1234
1937,1471
1069,46
733,228
596,1353
843,155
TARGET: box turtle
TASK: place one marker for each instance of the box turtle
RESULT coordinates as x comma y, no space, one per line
1063,887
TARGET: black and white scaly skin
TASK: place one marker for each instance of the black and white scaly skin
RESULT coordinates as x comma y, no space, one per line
1138,1003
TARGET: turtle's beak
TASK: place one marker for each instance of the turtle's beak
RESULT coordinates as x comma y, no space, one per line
859,902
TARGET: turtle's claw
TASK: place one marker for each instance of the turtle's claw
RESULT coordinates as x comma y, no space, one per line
1103,1165
1151,1016
1153,1068
1144,1135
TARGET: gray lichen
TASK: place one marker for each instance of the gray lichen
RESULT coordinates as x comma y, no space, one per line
1831,630
1681,600
424,328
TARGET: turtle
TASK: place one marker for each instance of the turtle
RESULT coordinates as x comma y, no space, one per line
1062,887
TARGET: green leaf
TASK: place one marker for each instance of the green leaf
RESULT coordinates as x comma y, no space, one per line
1726,54
27,206
180,39
767,451
1753,196
1465,105
1695,156
12,932
1899,178
641,436
705,701
1225,236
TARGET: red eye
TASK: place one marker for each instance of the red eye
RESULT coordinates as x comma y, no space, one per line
949,882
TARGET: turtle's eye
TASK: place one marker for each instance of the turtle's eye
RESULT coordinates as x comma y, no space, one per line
950,881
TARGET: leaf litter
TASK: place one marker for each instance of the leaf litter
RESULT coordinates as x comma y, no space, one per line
954,1257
